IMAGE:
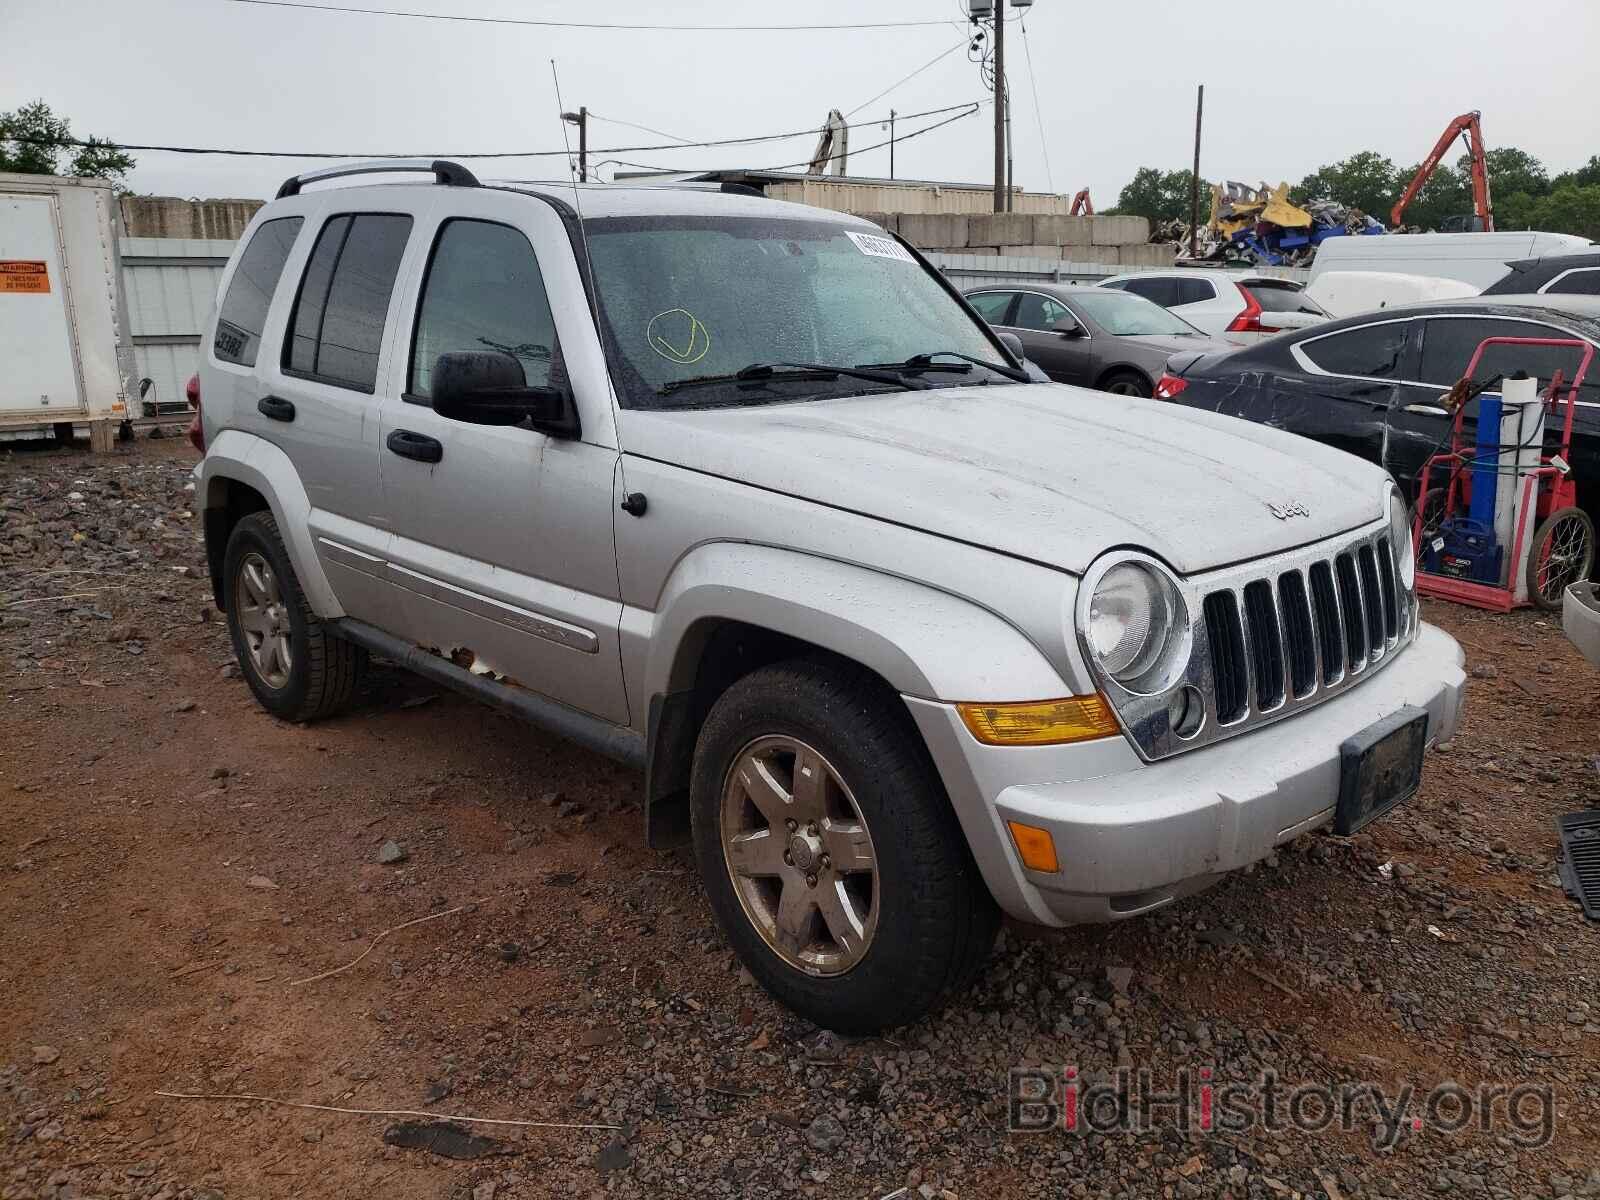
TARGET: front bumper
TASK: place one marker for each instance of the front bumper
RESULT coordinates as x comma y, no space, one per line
1132,836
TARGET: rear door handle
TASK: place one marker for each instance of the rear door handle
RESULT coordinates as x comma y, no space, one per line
1427,410
418,446
275,407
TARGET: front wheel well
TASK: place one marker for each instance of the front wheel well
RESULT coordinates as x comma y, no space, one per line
714,655
235,502
1112,372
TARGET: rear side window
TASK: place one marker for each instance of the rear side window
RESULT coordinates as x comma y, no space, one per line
1281,297
244,308
1584,282
483,292
1039,312
1164,292
1373,351
1195,291
336,329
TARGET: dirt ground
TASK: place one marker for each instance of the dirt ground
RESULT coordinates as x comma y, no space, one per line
175,866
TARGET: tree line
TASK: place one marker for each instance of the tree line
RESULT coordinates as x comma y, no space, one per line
1523,193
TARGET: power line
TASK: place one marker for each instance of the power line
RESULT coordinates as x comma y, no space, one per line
594,116
906,137
617,25
739,141
942,54
1038,113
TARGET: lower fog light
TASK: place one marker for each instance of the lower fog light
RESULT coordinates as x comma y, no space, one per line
1185,711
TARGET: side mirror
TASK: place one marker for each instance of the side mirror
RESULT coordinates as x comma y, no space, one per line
488,387
1067,327
1012,343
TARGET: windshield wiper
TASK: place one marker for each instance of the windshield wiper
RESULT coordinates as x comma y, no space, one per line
924,362
786,371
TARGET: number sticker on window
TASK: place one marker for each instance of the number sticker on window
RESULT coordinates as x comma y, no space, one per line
879,247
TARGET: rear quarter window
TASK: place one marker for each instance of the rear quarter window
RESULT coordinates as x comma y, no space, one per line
244,309
1584,281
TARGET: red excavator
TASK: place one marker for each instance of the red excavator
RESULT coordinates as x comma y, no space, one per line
1465,126
1082,205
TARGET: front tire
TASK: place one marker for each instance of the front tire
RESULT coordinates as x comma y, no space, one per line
1127,383
297,667
829,851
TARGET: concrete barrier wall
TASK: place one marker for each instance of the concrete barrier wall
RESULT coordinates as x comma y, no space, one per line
1109,241
172,217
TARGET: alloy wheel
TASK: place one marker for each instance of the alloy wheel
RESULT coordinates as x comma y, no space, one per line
799,855
263,618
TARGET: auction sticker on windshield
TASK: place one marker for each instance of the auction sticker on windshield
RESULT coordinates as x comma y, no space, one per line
879,247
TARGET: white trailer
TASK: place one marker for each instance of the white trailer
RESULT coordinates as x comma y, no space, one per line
66,358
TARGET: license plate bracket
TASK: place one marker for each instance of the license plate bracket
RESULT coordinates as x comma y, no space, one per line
1379,768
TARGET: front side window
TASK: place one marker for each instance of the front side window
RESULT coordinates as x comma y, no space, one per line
244,308
689,297
1373,351
483,292
992,306
336,330
1122,315
1040,312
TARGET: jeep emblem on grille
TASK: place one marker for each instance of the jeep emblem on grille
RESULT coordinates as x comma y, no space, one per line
1292,509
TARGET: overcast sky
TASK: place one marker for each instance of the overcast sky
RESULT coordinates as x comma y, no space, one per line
1115,83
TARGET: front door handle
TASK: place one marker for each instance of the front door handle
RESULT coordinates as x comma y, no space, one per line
418,446
275,407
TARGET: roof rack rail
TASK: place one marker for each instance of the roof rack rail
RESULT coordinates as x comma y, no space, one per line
443,170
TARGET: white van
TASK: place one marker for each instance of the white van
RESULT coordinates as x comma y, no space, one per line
1476,258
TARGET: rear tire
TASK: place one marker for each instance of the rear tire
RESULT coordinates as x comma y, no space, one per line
917,930
1127,383
298,668
1562,554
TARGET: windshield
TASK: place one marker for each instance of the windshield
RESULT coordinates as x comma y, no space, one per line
690,297
1122,314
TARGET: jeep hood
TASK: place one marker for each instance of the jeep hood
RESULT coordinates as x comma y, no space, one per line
1046,472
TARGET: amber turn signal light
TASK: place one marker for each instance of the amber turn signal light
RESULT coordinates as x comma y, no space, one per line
1037,848
1040,722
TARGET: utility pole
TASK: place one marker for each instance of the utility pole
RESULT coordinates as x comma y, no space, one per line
581,120
1000,189
891,143
1011,166
1194,175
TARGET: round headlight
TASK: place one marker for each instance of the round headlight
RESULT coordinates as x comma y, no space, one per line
1134,620
1400,539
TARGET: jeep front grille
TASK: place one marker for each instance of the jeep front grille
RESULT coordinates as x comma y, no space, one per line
1275,640
1278,635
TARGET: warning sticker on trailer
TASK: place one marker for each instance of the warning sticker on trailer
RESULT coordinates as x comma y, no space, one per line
879,247
21,275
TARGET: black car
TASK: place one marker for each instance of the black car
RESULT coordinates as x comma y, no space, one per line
1373,384
1555,275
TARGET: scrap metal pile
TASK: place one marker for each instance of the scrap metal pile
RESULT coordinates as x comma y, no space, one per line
1263,227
